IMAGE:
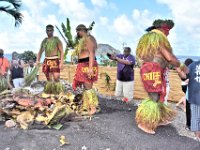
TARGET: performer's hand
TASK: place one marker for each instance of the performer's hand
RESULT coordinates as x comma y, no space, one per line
37,63
61,66
90,73
185,69
180,73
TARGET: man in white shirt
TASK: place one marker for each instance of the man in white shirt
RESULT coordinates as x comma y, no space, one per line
30,68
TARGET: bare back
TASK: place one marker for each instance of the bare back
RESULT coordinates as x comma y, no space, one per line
90,45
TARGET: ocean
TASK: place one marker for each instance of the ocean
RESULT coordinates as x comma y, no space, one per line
182,58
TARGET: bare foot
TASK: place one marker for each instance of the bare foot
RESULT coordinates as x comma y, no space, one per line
92,110
149,131
164,123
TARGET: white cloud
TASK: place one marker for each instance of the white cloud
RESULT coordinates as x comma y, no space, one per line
113,6
51,19
185,14
100,3
124,26
76,9
143,19
32,30
103,21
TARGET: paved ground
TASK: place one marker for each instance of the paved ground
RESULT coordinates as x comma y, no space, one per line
112,129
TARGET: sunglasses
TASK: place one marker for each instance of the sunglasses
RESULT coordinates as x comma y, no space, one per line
49,30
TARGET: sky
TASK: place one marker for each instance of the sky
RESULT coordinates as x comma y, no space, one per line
117,22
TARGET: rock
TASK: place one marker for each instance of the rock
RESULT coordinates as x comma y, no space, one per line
10,124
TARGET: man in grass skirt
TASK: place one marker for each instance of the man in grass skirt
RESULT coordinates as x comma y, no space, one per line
87,69
156,53
53,63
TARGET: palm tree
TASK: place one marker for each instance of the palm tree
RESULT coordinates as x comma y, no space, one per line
13,11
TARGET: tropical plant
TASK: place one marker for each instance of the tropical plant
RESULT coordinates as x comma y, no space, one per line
107,80
13,10
68,38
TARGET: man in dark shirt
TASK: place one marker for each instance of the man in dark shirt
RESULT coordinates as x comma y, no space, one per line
17,71
194,96
193,92
125,74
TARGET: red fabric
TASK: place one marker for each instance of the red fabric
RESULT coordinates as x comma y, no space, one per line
50,66
152,76
81,74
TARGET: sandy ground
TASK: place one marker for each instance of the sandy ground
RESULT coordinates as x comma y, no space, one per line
114,128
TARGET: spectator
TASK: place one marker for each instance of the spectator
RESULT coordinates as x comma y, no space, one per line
30,68
184,99
125,74
193,91
4,67
17,71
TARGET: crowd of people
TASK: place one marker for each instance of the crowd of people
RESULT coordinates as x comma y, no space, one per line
156,54
15,70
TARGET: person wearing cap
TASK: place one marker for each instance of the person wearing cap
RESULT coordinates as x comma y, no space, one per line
87,69
53,63
156,53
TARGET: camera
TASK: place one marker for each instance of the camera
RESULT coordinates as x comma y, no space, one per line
109,55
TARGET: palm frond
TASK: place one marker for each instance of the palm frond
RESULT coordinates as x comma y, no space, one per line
91,26
62,35
67,31
13,12
69,35
16,3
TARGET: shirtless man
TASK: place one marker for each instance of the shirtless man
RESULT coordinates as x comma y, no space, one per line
53,62
155,51
87,68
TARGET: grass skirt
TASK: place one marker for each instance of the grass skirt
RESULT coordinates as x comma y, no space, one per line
90,100
149,114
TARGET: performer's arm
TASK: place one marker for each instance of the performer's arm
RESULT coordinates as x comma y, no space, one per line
181,73
60,47
170,57
91,46
40,53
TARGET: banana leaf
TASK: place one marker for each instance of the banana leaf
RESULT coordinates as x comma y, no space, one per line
91,26
31,77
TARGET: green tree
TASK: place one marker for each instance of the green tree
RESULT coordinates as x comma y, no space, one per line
27,55
12,9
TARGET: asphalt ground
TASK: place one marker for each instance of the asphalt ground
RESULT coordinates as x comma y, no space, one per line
114,128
